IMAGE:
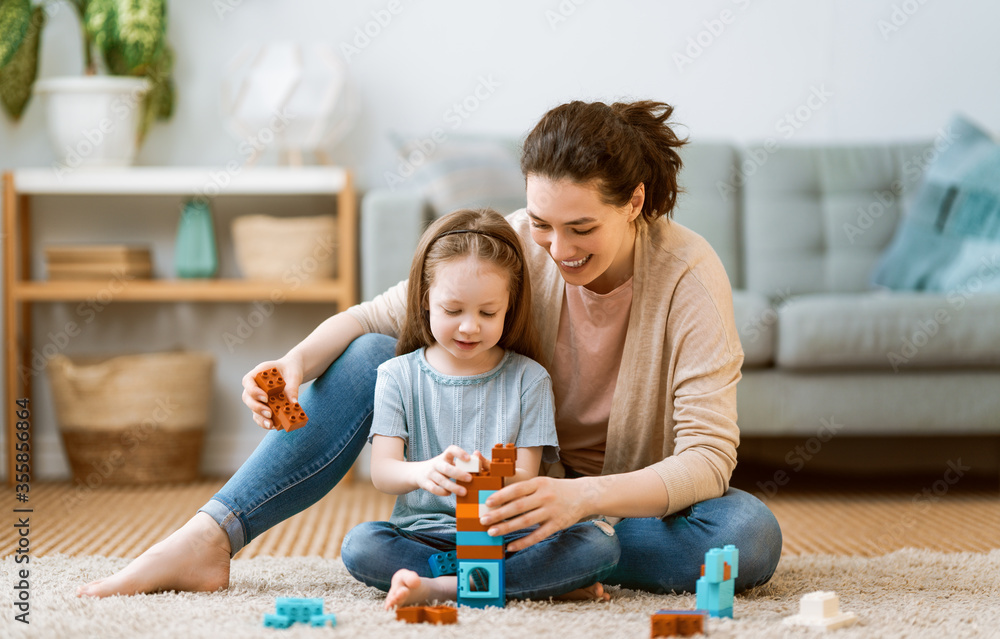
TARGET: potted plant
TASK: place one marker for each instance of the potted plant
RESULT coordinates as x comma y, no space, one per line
93,119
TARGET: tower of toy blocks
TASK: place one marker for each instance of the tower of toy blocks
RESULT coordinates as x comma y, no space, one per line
715,588
480,557
285,414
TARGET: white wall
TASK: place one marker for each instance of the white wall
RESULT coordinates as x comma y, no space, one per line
887,70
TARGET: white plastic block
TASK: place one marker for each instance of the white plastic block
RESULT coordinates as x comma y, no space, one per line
471,466
821,610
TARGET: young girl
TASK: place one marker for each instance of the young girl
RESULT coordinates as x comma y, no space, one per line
463,380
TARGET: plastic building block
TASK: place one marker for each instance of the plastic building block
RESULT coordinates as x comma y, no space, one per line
472,488
285,415
428,614
502,453
471,466
444,563
291,610
716,587
821,610
272,620
481,583
476,538
479,552
320,621
677,623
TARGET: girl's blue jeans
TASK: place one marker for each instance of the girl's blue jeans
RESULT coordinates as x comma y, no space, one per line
291,471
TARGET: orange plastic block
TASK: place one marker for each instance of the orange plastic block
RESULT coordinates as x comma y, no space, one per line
677,623
465,511
472,488
470,523
479,552
428,614
502,453
502,469
285,414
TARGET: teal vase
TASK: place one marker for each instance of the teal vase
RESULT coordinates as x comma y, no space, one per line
195,254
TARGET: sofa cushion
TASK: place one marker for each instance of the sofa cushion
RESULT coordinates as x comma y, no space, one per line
952,228
757,324
891,331
459,172
817,218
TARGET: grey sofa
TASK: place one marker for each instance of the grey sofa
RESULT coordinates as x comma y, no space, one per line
799,230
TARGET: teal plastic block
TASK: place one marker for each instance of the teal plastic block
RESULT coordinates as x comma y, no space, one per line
484,495
725,612
443,563
299,610
320,621
714,568
481,583
476,538
732,557
277,621
707,595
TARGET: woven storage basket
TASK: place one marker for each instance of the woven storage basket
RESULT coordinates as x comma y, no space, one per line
133,419
283,248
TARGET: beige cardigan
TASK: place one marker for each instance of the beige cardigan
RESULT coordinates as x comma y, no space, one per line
674,407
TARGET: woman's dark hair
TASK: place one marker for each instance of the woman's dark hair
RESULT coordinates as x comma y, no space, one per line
619,146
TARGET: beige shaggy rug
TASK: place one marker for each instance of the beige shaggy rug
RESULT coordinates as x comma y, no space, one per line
909,593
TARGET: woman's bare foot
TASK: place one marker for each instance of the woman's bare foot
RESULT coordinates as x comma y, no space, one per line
194,558
408,588
590,593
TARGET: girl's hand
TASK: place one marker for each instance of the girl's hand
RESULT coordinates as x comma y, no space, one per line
439,474
554,504
256,398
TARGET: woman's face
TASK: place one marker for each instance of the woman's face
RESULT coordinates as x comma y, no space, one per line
591,242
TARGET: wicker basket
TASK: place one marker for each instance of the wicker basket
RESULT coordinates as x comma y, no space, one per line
133,419
284,248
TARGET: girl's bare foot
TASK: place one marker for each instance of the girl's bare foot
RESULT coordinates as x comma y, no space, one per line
590,593
409,588
194,558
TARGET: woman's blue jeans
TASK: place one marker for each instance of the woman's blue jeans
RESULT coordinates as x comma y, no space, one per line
291,471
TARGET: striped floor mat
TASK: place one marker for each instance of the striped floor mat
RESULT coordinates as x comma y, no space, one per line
122,522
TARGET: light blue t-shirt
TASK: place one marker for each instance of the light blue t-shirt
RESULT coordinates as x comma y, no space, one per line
510,404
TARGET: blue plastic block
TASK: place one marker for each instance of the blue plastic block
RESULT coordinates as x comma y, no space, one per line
707,595
725,612
299,610
732,557
277,621
476,538
444,563
714,568
484,495
481,583
323,620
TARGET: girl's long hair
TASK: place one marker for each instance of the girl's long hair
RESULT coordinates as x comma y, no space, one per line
489,239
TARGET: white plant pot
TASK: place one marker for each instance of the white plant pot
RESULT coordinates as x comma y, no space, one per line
93,120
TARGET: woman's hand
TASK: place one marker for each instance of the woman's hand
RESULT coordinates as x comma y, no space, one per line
256,398
553,504
438,474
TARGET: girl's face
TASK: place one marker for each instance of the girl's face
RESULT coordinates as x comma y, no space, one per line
591,242
467,302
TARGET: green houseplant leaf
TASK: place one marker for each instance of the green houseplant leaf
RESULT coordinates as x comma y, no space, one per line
18,75
14,18
129,34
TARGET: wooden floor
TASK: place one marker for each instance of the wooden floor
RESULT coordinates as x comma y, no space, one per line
122,522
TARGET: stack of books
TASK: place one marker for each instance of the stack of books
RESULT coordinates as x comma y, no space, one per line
98,261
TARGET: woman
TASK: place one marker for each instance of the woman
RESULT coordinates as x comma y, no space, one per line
636,320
